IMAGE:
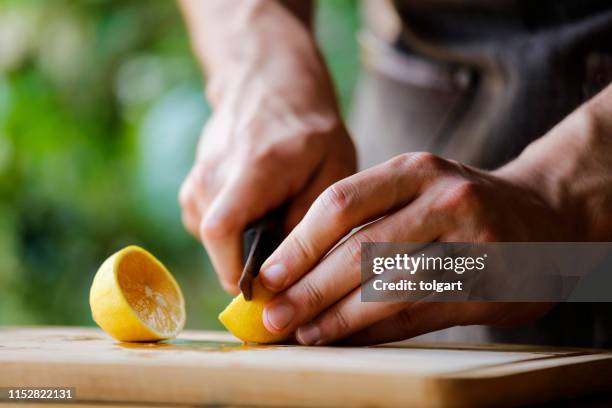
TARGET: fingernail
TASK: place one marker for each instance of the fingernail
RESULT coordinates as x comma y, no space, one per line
308,335
274,277
280,315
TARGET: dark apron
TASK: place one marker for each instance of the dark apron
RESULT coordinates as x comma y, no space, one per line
477,81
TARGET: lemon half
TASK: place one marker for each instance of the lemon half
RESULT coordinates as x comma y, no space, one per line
245,318
133,297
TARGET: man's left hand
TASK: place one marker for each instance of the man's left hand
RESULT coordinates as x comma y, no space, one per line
415,197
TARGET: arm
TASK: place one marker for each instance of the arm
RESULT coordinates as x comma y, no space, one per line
276,134
558,189
572,166
251,36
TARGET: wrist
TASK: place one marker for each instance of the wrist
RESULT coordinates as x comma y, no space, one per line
302,87
569,169
247,44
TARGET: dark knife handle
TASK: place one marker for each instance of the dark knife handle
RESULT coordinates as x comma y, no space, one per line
259,240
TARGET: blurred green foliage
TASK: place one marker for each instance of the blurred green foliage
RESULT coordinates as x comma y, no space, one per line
101,105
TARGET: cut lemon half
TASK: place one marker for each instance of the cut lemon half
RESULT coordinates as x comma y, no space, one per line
133,297
244,319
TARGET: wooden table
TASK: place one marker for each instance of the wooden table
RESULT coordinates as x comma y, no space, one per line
212,368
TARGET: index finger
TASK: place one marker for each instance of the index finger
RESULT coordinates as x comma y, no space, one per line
347,204
239,202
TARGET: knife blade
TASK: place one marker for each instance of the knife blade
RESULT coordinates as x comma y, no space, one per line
259,240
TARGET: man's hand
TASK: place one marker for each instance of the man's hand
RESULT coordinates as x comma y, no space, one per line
419,197
257,152
276,136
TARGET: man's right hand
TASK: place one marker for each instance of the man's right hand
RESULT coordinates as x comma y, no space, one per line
276,136
270,141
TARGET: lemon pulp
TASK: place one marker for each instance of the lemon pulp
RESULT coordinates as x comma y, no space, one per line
135,298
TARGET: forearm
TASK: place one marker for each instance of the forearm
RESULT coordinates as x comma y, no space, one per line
247,39
572,168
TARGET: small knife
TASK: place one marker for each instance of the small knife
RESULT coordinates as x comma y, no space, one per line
259,240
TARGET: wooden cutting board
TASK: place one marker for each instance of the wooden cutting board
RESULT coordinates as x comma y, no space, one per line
212,368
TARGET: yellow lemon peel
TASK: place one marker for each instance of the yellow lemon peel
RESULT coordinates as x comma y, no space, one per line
244,319
134,297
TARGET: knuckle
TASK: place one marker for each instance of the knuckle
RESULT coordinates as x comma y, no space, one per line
338,198
207,232
419,161
466,190
585,120
489,234
197,183
311,139
341,323
185,195
463,196
427,161
354,251
314,296
261,155
404,319
303,249
200,174
190,224
219,229
354,246
401,161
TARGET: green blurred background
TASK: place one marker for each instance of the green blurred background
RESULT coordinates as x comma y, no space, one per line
101,105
